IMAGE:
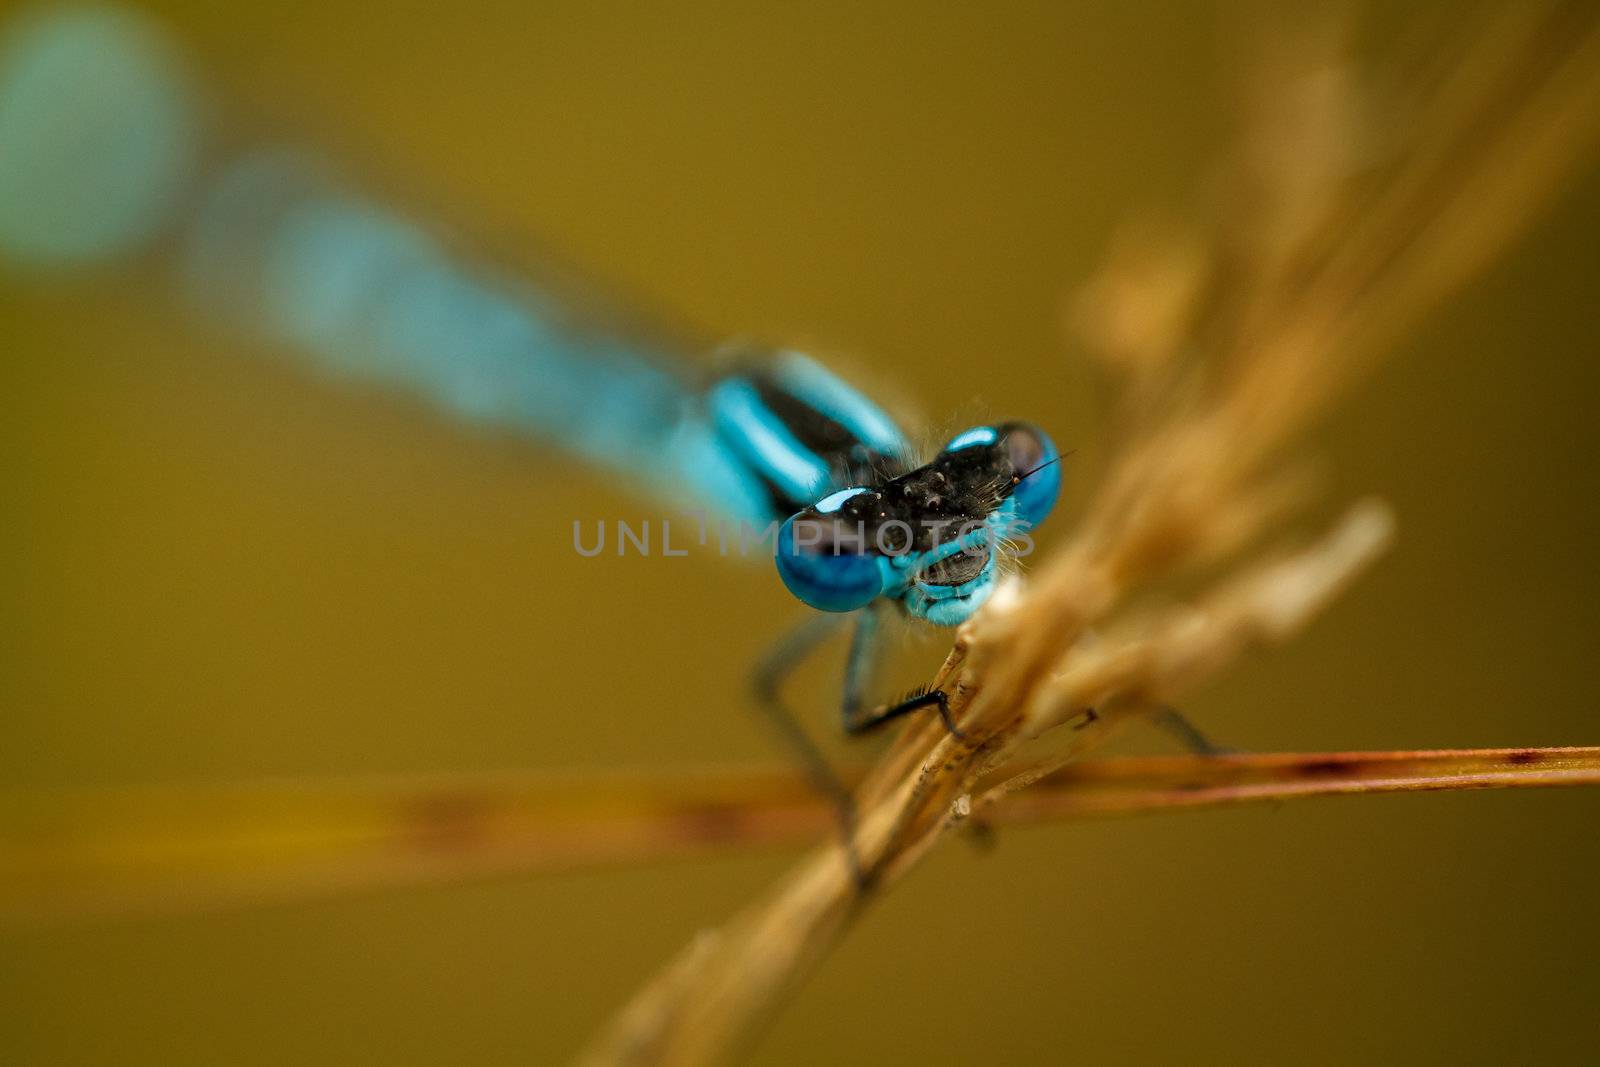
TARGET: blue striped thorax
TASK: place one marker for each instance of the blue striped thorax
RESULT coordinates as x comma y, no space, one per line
861,524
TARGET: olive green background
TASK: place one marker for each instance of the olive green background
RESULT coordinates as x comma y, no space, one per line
215,568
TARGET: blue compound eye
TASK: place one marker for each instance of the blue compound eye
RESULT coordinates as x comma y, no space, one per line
1035,461
821,560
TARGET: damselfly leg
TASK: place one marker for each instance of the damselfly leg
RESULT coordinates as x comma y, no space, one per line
777,665
915,701
1176,725
858,673
785,658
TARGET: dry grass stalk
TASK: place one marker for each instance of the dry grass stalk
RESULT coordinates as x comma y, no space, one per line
71,856
1231,344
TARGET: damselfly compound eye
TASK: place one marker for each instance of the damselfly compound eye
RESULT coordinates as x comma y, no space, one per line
826,562
1035,467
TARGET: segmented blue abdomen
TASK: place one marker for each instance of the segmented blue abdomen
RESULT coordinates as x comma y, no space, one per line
369,295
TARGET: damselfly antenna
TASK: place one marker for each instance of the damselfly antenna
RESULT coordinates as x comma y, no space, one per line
1020,478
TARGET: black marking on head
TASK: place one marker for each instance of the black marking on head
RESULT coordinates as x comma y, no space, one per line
932,505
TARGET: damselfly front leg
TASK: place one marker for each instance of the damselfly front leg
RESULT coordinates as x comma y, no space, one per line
914,701
858,672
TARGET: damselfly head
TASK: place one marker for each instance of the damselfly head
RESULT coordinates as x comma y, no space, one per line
929,538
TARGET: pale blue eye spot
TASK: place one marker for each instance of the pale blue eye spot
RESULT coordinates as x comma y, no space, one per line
833,502
978,435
